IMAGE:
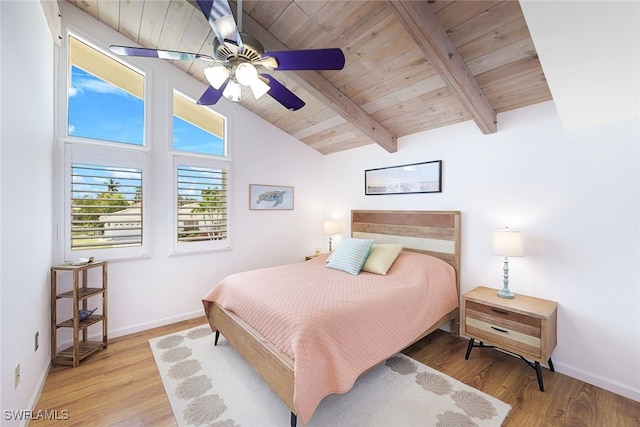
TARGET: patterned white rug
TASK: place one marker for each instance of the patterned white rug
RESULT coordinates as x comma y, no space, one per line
213,386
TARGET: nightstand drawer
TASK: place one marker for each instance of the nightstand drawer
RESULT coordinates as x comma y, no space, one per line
506,338
512,331
505,319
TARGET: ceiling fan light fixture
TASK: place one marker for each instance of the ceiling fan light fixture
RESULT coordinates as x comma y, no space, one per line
216,75
233,91
246,74
259,87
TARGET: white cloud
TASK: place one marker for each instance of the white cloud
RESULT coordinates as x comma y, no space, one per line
94,85
100,87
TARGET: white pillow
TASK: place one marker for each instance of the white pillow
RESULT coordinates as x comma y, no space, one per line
350,255
382,257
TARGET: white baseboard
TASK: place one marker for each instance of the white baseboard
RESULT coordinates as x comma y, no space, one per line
154,324
115,333
38,391
590,378
598,381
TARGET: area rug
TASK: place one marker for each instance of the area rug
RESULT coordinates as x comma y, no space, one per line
213,386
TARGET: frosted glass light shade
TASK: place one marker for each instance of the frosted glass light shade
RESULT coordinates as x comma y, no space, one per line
233,91
507,243
246,74
216,75
259,88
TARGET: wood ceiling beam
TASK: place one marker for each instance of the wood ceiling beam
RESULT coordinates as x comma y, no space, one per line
422,24
324,91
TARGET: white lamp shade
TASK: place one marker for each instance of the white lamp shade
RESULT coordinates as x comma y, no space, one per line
331,227
216,75
246,74
507,243
259,88
233,91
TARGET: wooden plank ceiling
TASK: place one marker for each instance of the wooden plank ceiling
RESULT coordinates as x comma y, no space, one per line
410,65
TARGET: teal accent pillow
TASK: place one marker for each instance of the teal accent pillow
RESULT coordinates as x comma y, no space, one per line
351,255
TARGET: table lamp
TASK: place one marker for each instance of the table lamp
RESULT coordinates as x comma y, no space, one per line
507,243
331,227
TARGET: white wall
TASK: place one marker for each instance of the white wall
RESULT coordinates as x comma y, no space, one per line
592,65
574,196
144,292
25,197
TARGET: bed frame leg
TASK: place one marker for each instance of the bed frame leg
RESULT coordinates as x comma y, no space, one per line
215,342
294,420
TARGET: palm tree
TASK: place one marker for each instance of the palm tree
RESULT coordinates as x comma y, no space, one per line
112,186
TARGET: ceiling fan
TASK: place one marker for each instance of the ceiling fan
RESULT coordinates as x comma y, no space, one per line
240,60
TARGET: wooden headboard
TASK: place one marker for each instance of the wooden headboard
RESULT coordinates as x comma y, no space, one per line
436,233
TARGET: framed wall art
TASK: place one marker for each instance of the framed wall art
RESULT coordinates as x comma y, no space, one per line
270,197
425,177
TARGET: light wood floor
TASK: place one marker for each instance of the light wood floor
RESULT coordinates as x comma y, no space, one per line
120,386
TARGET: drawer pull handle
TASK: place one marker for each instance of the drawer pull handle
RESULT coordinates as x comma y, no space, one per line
500,330
499,311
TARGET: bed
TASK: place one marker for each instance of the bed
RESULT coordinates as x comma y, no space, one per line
303,367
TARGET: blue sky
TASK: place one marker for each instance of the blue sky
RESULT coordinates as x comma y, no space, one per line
100,110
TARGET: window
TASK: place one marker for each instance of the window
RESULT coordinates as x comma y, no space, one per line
197,129
105,97
106,207
201,170
202,204
104,215
113,123
104,155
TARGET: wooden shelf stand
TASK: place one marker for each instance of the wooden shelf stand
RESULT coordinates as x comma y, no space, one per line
79,294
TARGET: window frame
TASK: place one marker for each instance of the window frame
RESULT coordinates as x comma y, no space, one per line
177,247
65,80
184,158
225,128
157,154
75,149
103,156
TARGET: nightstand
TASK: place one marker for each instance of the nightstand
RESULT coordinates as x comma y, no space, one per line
524,326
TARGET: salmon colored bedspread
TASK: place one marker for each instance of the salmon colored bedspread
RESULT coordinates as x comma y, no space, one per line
334,325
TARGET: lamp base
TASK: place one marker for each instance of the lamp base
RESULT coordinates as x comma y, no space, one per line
506,293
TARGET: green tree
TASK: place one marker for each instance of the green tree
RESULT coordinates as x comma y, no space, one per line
86,212
211,205
112,185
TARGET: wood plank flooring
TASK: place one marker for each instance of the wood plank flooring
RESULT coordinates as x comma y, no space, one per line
121,386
